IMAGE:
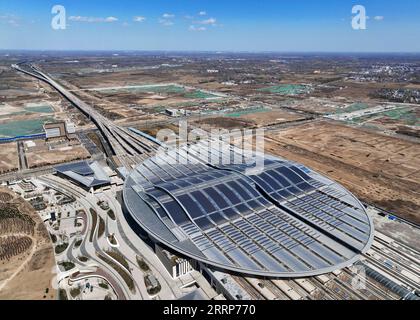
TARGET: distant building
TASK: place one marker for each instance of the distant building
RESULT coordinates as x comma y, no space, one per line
177,112
70,127
27,186
54,130
60,129
229,83
171,112
30,144
89,176
176,266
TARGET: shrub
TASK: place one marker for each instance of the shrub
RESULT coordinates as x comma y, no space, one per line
101,228
123,273
53,238
119,257
111,214
142,264
62,295
104,285
74,292
61,248
67,265
94,219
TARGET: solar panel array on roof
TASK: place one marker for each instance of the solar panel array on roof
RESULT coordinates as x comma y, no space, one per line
283,221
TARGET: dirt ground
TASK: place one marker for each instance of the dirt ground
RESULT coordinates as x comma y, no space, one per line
8,157
251,120
222,122
49,157
272,117
378,169
153,130
27,275
320,106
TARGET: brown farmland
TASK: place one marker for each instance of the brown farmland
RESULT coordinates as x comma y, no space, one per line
378,169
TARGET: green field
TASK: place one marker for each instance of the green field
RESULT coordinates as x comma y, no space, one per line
197,94
405,116
353,107
23,127
30,109
174,89
39,109
287,89
238,114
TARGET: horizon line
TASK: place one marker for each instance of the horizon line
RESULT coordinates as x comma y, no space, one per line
213,51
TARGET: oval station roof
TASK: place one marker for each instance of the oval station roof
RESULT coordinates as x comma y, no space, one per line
283,221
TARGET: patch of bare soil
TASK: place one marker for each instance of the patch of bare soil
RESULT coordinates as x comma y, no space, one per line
378,169
26,252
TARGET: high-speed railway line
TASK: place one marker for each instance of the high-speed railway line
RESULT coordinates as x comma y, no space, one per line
123,143
393,260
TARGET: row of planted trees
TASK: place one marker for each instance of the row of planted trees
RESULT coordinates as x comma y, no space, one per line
11,246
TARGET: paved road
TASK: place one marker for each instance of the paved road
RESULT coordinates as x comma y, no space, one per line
23,163
132,242
35,172
86,248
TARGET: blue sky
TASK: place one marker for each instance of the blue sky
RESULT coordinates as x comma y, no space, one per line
228,25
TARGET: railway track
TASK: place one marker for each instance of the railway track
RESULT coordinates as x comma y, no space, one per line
373,289
407,282
254,293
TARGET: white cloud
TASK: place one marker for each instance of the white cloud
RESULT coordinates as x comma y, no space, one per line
166,19
210,21
139,19
10,19
202,13
194,28
111,19
92,19
80,18
166,22
378,18
13,22
168,16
